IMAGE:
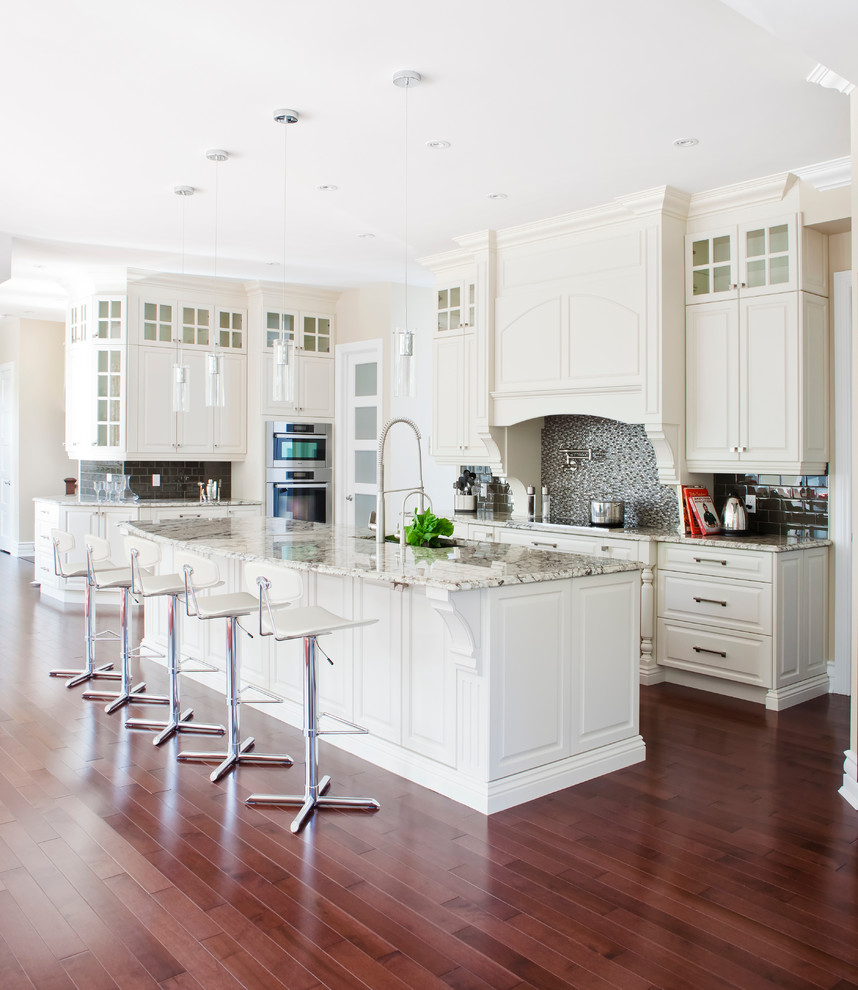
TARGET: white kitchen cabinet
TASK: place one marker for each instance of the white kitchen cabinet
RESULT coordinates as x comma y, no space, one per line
456,305
202,430
747,623
597,545
454,440
757,384
313,334
759,257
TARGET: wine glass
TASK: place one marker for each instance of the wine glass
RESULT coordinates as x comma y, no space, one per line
99,490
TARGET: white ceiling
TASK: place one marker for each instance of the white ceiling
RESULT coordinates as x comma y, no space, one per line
560,104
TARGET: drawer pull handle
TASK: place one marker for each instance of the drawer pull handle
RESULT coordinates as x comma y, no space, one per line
716,653
709,560
605,549
537,543
710,601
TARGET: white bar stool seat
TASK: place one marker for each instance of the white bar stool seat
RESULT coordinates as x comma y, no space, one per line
145,583
63,544
202,572
104,574
307,623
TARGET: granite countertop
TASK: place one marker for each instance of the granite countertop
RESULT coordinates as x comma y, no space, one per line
753,541
348,552
187,502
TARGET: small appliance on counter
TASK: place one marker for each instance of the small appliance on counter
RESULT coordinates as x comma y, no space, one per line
734,517
607,512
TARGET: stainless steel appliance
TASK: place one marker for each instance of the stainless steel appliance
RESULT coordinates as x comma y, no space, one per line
607,512
298,445
300,494
734,518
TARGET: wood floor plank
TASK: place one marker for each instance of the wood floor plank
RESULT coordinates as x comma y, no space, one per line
726,860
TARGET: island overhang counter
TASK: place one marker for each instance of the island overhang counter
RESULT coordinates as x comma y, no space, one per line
495,673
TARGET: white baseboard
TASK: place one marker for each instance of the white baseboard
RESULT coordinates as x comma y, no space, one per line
849,790
23,549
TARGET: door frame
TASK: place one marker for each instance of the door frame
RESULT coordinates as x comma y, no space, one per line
9,543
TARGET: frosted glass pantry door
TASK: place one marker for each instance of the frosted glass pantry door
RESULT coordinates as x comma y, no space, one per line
359,374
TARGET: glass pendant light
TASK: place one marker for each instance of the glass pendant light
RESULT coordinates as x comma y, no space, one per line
283,363
215,395
181,378
404,362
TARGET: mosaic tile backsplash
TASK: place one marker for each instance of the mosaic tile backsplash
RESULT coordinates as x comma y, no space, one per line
623,467
787,505
179,479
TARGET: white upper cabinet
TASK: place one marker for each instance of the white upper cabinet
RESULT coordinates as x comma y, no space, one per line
312,378
757,384
456,305
753,259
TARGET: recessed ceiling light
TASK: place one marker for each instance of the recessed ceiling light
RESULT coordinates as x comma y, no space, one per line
497,195
437,145
685,142
327,187
367,236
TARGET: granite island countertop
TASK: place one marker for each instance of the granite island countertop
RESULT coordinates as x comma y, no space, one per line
347,552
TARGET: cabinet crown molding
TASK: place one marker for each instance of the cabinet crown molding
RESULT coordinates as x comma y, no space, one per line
828,175
740,195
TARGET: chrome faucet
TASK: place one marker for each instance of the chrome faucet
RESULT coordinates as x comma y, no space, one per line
382,491
414,491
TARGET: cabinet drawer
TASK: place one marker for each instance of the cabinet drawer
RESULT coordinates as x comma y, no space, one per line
594,546
704,650
743,605
484,533
749,565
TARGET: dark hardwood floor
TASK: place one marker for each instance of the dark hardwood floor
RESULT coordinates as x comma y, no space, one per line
727,860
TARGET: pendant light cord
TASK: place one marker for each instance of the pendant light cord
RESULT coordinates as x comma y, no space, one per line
405,211
285,202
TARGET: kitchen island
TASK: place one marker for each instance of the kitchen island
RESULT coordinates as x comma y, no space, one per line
495,674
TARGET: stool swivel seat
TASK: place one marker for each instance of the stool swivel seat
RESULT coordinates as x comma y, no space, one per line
103,574
63,544
201,572
306,623
145,583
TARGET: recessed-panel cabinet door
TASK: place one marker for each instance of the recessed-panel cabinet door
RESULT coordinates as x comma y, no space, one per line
230,427
770,385
156,421
712,377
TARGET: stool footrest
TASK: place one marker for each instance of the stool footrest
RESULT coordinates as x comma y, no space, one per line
353,730
268,697
203,666
106,634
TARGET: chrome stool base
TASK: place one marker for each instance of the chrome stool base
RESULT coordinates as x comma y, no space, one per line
81,676
309,802
178,723
232,758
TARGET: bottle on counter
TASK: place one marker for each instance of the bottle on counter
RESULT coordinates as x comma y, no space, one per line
531,503
546,504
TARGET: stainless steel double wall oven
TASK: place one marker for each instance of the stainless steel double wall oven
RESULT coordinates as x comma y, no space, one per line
299,474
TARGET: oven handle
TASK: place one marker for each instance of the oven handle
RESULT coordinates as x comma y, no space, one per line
300,484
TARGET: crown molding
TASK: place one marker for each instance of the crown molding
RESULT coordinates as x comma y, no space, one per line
756,192
827,175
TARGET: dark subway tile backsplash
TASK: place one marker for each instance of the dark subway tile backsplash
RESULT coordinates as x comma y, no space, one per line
179,479
787,505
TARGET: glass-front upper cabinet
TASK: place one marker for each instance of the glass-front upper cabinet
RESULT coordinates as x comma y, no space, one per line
751,259
315,333
457,306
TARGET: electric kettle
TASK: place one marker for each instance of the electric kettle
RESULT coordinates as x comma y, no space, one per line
734,517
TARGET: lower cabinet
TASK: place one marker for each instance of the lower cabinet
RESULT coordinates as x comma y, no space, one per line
751,624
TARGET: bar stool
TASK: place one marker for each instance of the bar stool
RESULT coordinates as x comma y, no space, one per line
145,556
201,572
307,623
63,544
104,575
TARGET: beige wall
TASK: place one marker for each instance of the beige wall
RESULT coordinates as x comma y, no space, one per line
840,252
35,348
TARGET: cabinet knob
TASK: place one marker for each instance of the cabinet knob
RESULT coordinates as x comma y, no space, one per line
605,549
